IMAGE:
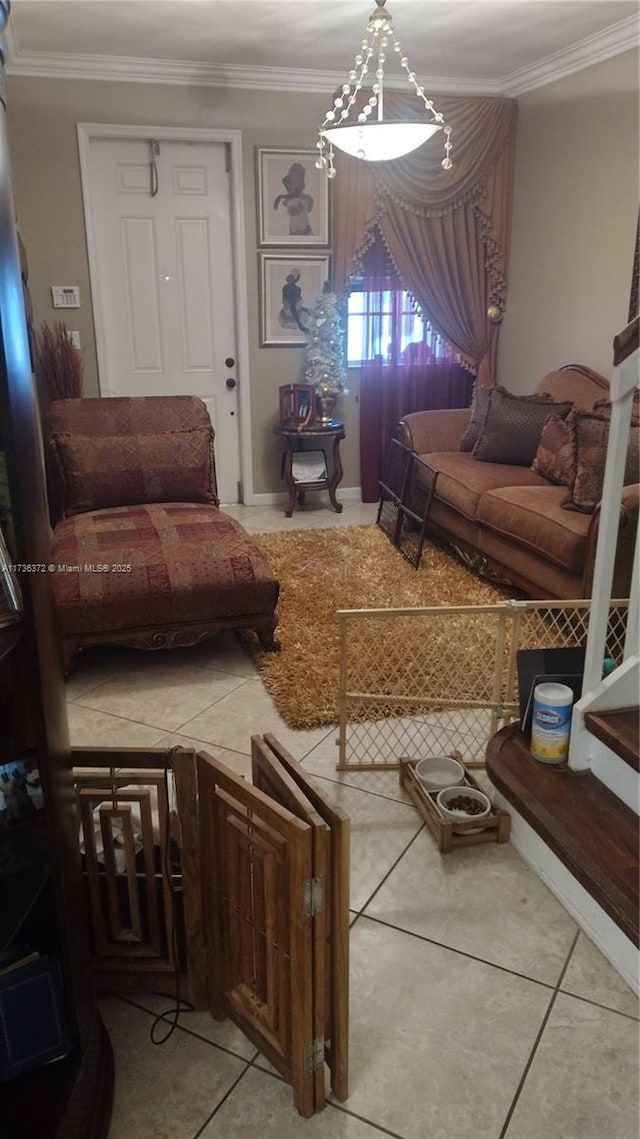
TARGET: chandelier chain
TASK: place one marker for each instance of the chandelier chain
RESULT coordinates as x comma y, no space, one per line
356,138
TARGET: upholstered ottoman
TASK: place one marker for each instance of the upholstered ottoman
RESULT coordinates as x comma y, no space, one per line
133,566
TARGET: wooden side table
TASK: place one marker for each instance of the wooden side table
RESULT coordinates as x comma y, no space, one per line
296,441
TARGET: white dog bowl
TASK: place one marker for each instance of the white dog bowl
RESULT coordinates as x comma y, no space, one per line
456,815
439,771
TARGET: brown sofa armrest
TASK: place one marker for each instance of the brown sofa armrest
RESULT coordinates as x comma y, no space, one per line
628,526
442,430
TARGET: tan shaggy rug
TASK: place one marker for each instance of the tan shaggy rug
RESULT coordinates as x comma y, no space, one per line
355,567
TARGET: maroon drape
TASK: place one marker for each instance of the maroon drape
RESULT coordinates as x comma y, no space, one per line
423,376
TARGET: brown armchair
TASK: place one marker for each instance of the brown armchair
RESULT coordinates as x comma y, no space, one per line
142,553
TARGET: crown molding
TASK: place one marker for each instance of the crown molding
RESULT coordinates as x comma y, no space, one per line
57,65
623,36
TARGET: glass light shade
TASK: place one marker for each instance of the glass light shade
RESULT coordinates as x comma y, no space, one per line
378,142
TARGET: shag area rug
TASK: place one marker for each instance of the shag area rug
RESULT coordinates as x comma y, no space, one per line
355,567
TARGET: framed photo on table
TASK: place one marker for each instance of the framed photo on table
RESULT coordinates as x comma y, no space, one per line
293,198
290,288
297,405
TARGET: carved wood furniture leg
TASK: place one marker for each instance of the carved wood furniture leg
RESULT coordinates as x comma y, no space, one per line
288,474
337,474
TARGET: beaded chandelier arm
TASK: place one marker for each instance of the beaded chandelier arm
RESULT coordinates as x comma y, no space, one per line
376,140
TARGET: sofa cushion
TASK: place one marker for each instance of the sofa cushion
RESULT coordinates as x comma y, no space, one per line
188,563
532,516
121,470
554,458
461,480
512,427
479,404
589,438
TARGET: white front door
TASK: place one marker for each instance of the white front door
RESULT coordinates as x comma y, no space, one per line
162,276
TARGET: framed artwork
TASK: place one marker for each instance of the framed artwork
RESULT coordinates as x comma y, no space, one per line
293,198
21,794
290,287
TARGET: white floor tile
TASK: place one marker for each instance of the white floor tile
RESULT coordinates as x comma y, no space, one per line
442,1025
438,1041
482,900
169,1090
583,1081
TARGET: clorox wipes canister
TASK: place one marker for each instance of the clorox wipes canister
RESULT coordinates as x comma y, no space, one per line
551,722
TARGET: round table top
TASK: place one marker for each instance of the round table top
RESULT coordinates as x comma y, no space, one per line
331,428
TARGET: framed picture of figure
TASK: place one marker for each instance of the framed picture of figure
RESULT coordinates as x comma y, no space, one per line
293,198
290,288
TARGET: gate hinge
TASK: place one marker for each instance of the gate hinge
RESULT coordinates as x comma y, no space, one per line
314,1055
313,897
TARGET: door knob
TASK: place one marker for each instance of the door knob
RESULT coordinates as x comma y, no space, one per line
230,383
229,362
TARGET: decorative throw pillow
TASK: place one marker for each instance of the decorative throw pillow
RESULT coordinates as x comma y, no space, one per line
513,425
590,437
554,457
122,470
478,412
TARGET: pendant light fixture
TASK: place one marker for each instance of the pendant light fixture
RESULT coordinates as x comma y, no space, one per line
369,139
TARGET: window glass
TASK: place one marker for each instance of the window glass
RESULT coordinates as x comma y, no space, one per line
387,326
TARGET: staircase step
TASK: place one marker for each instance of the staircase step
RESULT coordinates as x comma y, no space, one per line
587,827
620,731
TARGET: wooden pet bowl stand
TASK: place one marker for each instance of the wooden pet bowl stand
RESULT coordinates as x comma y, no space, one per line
496,826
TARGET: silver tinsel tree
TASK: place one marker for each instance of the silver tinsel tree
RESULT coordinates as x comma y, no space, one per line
324,352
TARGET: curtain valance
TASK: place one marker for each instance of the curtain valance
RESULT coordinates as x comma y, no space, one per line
447,232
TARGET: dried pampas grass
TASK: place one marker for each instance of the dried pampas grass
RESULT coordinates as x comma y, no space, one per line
59,365
355,567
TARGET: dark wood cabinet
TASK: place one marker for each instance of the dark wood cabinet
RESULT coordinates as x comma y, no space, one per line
42,902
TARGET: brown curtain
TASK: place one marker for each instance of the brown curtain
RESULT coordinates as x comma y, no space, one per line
447,232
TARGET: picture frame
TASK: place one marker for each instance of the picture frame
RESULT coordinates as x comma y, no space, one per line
21,794
11,603
297,405
292,198
290,288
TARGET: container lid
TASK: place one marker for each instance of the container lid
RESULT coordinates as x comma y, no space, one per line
553,693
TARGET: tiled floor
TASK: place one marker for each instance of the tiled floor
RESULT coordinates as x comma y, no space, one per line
477,1008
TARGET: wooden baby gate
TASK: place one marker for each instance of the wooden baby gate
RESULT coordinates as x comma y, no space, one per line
262,931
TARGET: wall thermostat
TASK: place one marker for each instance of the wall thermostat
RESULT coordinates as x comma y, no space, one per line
65,296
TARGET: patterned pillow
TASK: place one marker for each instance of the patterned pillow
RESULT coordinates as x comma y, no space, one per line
590,437
478,412
513,425
123,470
554,457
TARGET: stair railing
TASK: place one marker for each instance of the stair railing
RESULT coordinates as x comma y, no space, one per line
620,688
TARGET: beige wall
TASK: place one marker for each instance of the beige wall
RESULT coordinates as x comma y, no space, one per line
576,200
574,223
42,118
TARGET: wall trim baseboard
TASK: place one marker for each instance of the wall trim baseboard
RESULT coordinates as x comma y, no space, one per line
347,493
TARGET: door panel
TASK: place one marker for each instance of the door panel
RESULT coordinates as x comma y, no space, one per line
162,275
271,777
258,857
142,310
337,926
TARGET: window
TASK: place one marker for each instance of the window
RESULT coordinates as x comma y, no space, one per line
386,325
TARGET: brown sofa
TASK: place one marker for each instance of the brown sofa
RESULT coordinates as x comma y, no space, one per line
504,518
143,554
